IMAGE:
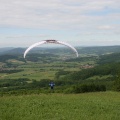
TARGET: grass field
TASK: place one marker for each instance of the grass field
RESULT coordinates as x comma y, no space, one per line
87,106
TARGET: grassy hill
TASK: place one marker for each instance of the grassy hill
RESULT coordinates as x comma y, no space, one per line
25,92
87,106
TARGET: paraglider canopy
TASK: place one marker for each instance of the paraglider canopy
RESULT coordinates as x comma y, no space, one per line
50,41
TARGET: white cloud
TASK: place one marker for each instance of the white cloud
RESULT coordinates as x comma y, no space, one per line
52,14
86,18
105,27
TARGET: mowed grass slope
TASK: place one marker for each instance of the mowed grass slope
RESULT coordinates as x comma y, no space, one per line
87,106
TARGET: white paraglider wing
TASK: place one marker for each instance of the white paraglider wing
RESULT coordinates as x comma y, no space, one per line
50,41
32,46
68,45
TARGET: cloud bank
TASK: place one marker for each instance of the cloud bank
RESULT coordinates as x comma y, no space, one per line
88,17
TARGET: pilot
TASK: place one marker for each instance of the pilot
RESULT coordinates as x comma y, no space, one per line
52,84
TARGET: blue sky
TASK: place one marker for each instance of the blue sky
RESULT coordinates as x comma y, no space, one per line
78,22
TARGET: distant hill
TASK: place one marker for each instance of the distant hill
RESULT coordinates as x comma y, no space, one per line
2,50
109,58
4,58
98,50
15,51
12,51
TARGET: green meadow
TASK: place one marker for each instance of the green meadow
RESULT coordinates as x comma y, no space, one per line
53,106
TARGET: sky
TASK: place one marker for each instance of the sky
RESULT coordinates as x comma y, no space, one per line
77,22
